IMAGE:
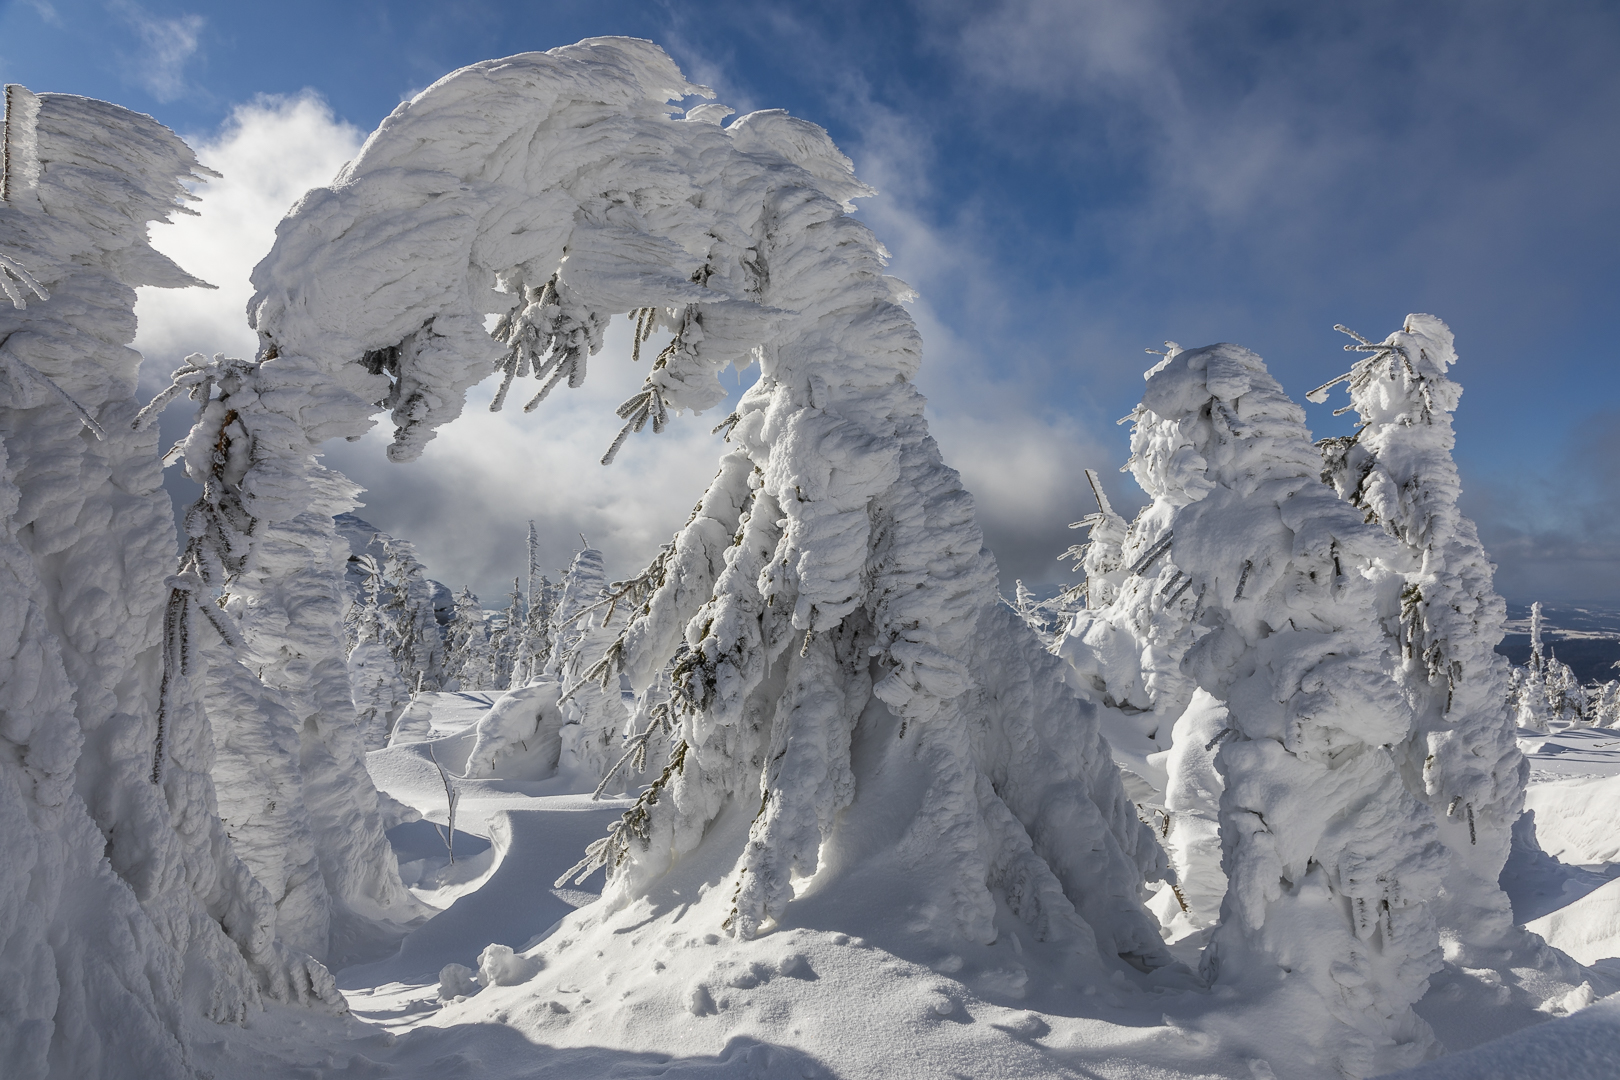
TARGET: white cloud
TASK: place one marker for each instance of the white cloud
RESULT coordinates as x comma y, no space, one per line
466,502
270,152
46,11
167,44
990,405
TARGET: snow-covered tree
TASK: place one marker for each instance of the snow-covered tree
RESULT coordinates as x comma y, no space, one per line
263,533
417,641
1127,649
1566,697
123,904
470,660
1527,686
832,577
571,721
1100,558
1330,862
1604,704
593,708
379,689
531,649
1461,756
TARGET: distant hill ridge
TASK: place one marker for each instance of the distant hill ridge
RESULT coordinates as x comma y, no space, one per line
1585,638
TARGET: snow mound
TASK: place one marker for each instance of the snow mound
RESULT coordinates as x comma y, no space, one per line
1588,929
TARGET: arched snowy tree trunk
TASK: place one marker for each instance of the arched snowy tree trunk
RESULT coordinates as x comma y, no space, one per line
110,801
834,566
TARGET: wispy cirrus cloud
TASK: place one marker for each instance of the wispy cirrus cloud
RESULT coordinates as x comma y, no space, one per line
166,44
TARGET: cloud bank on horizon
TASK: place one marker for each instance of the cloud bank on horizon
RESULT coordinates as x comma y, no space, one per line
1065,183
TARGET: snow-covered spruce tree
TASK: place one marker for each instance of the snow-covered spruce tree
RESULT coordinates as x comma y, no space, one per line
1527,689
532,649
509,639
470,661
1331,862
1101,558
1605,704
1566,697
1461,756
418,642
379,689
567,719
832,572
1125,653
593,709
1128,645
122,904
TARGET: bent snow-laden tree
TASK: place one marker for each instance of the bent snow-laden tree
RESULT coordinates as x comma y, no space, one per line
1461,756
122,902
268,543
833,570
1286,595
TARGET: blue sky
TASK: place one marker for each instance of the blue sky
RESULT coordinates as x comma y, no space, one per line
1065,183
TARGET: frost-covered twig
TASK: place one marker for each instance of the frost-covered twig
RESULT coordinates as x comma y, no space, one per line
31,372
196,375
633,827
452,797
660,720
10,268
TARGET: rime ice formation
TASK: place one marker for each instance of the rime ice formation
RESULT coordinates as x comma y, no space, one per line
122,903
1192,804
1461,756
833,570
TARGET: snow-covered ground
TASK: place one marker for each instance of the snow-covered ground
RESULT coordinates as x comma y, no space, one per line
808,1001
1569,892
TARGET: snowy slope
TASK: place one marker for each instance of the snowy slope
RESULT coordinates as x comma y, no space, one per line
806,1000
